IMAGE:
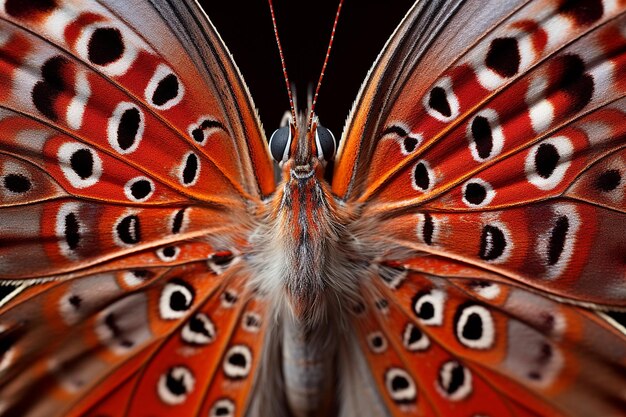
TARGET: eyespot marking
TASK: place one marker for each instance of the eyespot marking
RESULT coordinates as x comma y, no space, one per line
413,339
176,299
127,230
428,306
164,90
454,381
199,330
80,164
237,362
377,342
400,386
474,327
422,177
125,128
175,385
189,170
222,408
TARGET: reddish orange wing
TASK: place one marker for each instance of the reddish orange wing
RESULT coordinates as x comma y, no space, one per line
488,145
130,159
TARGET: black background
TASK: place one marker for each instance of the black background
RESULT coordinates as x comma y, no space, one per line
304,28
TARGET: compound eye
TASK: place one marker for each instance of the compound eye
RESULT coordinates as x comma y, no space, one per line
326,143
280,143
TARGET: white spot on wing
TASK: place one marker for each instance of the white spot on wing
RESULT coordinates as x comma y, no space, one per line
541,110
78,103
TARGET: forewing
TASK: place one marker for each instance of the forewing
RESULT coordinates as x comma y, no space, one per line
106,114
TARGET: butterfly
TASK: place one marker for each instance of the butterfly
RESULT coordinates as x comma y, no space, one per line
466,257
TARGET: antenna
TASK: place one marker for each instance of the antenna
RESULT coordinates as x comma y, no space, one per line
282,62
330,44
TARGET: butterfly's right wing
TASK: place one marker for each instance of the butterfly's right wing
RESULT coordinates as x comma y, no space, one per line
486,152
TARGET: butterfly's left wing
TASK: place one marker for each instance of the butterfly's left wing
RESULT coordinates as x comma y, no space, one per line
486,150
131,161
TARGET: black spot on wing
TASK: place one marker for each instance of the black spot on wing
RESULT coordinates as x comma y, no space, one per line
129,229
475,193
140,189
438,101
229,298
410,143
413,335
399,383
105,46
400,386
546,160
557,239
17,183
198,132
472,328
481,133
426,310
191,168
583,12
454,381
177,224
46,91
395,129
175,385
166,90
237,359
82,163
428,229
422,178
72,231
608,180
197,325
169,251
21,9
179,301
128,128
492,243
503,57
75,301
111,322
575,82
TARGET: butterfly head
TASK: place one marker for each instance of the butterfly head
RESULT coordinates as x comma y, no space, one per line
297,147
